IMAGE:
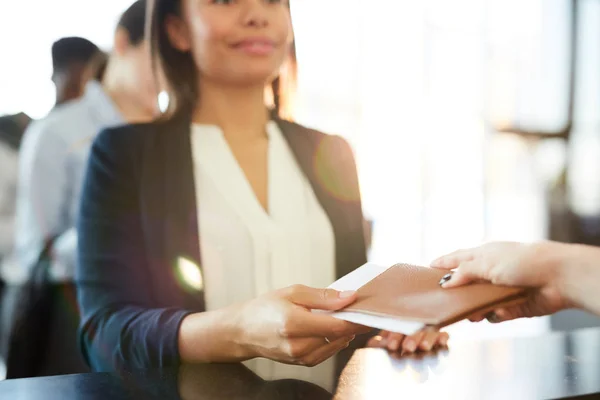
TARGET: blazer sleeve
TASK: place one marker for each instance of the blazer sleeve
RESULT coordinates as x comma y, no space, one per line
120,330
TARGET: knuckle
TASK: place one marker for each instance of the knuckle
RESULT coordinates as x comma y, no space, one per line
309,362
338,330
296,352
287,328
284,332
324,294
294,289
297,288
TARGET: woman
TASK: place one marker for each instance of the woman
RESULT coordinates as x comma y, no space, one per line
53,158
195,229
563,275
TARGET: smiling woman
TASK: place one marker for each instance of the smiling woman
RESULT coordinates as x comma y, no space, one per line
204,235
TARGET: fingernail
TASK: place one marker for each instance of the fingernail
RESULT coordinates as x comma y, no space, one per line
437,263
394,345
410,346
444,342
492,317
347,293
425,346
445,278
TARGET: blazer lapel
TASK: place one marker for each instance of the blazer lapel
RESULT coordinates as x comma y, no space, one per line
171,191
324,174
181,228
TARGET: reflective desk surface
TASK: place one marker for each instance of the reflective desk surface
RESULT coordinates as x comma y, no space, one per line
546,367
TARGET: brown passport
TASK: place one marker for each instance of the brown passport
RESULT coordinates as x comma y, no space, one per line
412,293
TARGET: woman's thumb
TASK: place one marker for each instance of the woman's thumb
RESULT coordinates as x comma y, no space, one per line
322,299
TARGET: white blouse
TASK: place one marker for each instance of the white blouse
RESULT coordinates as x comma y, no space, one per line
246,251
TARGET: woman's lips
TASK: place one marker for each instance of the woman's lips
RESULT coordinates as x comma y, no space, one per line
256,46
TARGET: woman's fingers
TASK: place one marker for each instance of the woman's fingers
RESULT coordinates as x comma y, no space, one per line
467,272
318,299
411,343
394,341
424,341
377,341
453,260
432,340
298,348
303,323
325,352
477,318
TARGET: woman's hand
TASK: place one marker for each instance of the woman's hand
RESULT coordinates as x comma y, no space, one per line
510,264
399,343
280,325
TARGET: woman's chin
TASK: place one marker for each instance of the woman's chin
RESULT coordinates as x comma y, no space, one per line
257,77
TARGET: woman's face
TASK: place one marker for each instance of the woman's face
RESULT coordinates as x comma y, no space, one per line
241,42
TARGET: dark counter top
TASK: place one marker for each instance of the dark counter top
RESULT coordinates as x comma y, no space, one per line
546,367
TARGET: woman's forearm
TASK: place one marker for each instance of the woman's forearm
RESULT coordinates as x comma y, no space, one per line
212,336
578,275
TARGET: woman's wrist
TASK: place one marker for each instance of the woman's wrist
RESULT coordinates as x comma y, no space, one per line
237,332
557,262
545,260
213,336
576,270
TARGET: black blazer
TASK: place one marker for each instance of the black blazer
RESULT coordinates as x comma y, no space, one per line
138,217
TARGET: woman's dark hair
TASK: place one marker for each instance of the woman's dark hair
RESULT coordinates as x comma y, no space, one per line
179,68
133,20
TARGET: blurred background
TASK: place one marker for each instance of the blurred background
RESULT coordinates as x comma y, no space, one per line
471,120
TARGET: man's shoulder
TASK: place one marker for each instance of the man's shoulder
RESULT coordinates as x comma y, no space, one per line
61,124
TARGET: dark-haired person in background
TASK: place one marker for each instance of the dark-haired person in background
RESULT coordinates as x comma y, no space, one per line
55,149
203,236
70,57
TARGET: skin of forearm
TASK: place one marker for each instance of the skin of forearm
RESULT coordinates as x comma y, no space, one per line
578,275
212,336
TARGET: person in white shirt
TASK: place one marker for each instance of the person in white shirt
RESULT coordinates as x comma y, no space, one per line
53,159
11,133
54,152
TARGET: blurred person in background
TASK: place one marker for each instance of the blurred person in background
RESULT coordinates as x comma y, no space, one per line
202,236
70,59
12,128
54,156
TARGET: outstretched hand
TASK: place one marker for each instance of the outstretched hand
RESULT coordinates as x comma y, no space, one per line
509,264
